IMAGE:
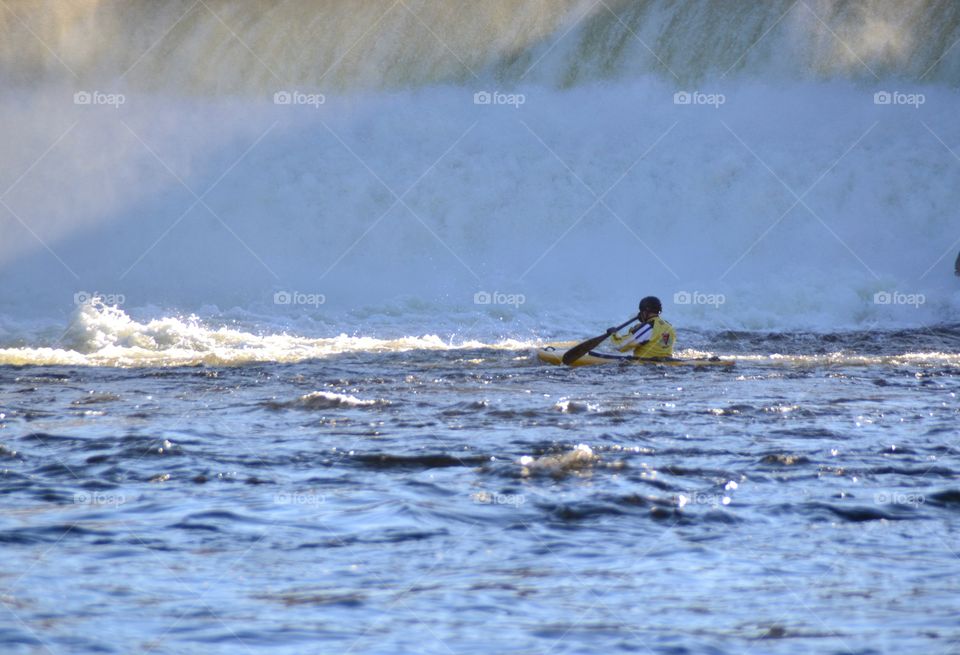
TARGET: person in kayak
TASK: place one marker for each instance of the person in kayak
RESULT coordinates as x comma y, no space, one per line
652,337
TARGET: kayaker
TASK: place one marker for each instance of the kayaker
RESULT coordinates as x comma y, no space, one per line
652,337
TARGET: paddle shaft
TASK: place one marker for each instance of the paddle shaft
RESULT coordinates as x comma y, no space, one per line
582,349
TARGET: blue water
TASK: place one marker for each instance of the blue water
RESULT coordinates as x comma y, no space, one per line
475,501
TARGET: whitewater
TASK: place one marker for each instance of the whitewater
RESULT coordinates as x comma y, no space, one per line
273,277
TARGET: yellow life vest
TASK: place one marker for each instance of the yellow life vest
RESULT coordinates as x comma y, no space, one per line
655,338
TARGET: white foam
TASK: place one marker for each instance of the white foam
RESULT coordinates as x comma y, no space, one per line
106,336
575,407
329,400
578,458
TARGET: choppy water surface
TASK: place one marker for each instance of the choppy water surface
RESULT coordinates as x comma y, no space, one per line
472,500
271,276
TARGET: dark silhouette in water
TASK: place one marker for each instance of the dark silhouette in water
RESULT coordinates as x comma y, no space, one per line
956,266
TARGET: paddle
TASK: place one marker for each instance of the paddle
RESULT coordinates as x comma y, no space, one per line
582,349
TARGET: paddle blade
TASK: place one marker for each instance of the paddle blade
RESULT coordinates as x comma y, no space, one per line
582,349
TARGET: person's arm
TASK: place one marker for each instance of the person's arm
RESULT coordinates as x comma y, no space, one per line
618,342
632,340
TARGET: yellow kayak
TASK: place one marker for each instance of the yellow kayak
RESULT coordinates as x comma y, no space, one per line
554,355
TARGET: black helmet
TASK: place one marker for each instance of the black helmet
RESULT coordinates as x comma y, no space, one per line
651,304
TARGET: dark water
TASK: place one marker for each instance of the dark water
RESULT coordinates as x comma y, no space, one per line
472,501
